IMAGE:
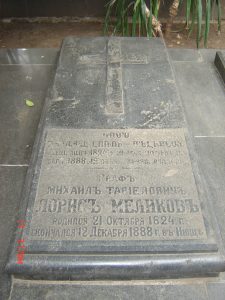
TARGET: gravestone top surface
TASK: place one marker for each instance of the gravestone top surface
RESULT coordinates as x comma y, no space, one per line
115,83
114,171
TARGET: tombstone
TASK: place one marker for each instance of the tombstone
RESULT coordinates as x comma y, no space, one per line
114,190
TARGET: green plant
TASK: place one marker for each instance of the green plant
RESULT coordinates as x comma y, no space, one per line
144,18
194,14
140,17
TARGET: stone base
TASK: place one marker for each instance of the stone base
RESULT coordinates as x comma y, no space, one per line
101,290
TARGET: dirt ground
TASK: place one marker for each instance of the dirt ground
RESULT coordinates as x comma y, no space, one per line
14,34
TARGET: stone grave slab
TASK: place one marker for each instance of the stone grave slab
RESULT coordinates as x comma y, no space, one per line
114,190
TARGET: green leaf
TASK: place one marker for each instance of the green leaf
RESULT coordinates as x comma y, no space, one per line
193,17
155,8
219,14
199,21
143,18
188,12
107,20
136,4
207,21
29,102
134,22
150,19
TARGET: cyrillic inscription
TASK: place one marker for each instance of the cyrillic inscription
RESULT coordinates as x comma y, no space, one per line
106,184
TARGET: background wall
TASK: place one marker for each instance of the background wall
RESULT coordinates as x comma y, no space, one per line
59,8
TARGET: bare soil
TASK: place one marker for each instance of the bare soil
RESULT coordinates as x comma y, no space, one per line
16,34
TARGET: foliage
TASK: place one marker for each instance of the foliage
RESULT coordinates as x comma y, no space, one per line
141,21
140,17
194,12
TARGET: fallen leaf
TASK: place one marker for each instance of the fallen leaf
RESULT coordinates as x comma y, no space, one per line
29,102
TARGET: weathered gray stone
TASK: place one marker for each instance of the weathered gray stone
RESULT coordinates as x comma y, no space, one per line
220,64
16,118
203,96
17,133
33,56
209,55
216,290
109,290
185,55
